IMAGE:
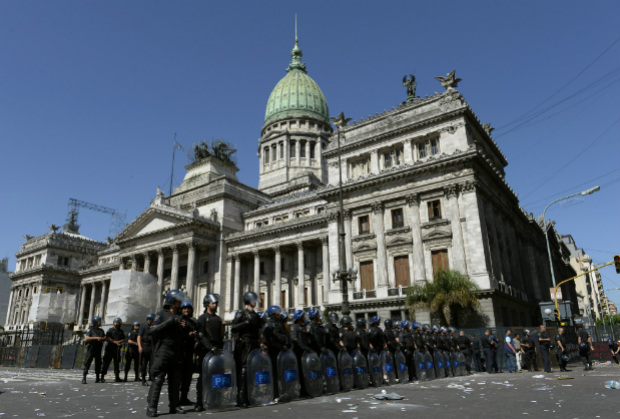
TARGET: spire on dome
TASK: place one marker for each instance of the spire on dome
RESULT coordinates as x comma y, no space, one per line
296,54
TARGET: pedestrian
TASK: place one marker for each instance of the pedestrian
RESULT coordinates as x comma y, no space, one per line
189,342
145,347
133,351
115,338
167,333
210,336
248,327
560,351
585,346
516,342
510,352
544,345
94,342
614,348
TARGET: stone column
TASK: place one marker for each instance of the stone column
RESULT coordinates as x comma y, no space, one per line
458,247
191,266
413,206
300,275
160,277
174,275
496,259
237,287
277,278
348,238
104,297
134,262
82,301
256,286
229,285
377,216
327,279
91,308
121,267
147,262
8,314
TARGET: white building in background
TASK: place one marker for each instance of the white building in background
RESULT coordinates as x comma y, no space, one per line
424,188
5,289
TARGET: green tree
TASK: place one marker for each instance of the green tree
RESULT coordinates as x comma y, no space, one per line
449,293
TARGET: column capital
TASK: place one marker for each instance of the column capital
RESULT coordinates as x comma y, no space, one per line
175,248
413,199
332,216
276,249
377,207
451,190
348,214
470,186
324,240
146,254
191,244
255,252
235,256
160,251
300,245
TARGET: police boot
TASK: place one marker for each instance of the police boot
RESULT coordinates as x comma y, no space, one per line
97,380
153,397
84,378
117,379
144,383
125,379
177,409
137,378
242,396
102,378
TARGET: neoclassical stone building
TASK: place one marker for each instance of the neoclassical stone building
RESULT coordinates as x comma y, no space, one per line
423,186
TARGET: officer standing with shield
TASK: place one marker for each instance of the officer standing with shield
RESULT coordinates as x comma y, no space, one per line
94,342
210,336
133,352
247,324
189,342
275,338
167,333
115,338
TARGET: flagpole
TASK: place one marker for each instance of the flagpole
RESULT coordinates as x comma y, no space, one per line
174,148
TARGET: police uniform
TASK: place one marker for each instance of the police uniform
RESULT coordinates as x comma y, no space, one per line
146,357
463,343
209,336
93,351
584,348
113,352
248,327
187,369
559,353
276,339
132,354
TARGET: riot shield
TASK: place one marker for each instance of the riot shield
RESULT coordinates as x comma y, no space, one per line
440,365
402,373
330,372
387,366
288,375
361,378
449,365
460,358
219,381
420,365
345,367
374,365
260,382
311,369
430,366
455,364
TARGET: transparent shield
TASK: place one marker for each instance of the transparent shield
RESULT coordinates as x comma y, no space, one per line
361,377
288,374
460,358
330,372
400,362
420,365
219,381
313,378
260,378
345,366
440,365
388,368
430,366
374,365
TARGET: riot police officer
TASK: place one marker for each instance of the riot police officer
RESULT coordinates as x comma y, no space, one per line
276,339
115,338
390,337
300,338
529,359
332,337
464,345
133,352
210,336
362,335
94,342
248,327
145,347
189,341
375,335
167,333
407,341
349,340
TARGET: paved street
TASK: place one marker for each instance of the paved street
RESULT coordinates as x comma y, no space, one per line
31,393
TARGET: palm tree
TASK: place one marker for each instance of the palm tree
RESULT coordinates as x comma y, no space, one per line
443,297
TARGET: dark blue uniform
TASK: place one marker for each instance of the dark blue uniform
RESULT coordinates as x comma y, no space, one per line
93,351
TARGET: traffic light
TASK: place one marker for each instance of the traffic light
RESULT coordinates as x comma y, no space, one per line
556,313
617,263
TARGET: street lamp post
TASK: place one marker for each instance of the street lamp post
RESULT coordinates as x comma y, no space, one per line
584,193
341,273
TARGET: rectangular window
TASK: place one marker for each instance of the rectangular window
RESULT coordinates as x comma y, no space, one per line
434,147
422,150
312,146
434,210
397,157
274,153
367,275
262,301
302,149
292,149
401,270
283,302
281,150
440,260
397,218
266,155
363,224
306,298
262,268
205,267
387,159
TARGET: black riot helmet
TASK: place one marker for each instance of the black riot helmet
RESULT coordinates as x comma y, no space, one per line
210,298
346,321
389,324
250,297
333,317
361,323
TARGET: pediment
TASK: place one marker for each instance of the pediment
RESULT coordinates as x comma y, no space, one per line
151,221
399,241
437,234
364,247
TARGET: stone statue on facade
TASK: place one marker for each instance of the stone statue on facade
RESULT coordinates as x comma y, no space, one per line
54,228
410,84
450,81
487,127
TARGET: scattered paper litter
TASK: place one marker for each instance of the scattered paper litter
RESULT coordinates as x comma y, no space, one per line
388,396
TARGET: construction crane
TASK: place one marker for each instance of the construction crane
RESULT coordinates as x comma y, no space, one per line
117,223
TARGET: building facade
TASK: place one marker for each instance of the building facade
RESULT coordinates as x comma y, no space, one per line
423,187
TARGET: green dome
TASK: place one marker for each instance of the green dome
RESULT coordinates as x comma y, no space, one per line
296,95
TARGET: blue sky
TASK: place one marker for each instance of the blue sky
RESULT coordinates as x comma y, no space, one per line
92,94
